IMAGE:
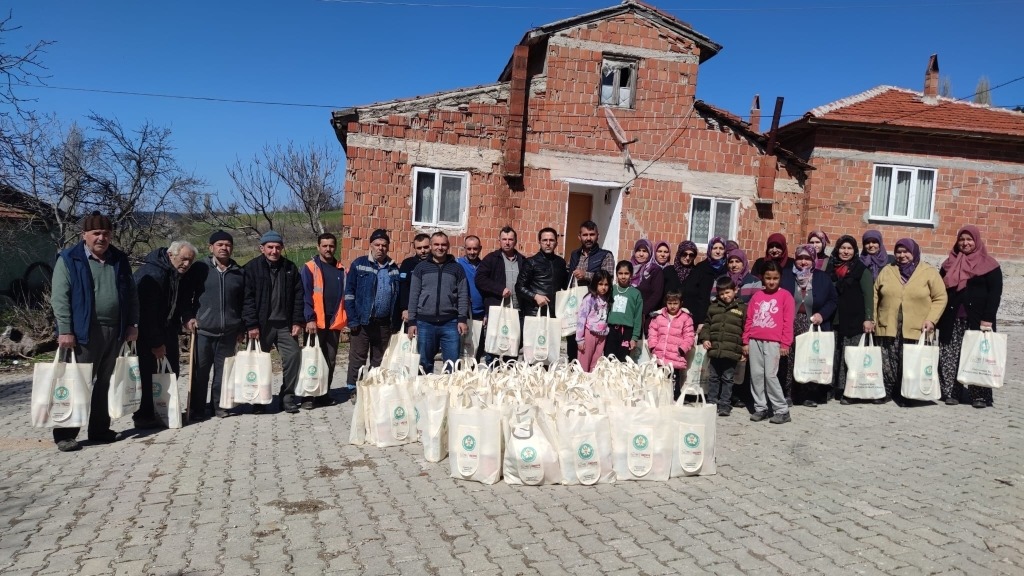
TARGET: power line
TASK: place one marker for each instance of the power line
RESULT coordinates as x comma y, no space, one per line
178,96
402,4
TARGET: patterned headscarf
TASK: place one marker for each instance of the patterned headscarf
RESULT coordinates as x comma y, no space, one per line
737,279
641,271
805,275
959,267
821,236
719,264
683,271
907,270
874,262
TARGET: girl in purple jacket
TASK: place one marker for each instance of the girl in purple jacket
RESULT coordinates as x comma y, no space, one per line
592,327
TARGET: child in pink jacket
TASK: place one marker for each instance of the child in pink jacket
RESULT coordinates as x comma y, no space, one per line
671,335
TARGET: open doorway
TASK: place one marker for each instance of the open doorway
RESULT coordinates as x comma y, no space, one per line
593,200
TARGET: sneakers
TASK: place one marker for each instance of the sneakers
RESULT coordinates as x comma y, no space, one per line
68,445
759,416
723,411
307,405
780,418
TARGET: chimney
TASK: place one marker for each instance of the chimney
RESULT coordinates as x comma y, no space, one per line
755,113
931,80
518,87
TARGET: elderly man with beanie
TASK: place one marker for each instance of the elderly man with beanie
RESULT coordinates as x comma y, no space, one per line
272,311
323,288
371,292
97,309
218,290
165,305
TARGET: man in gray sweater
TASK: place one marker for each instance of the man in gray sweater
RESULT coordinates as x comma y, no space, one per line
438,304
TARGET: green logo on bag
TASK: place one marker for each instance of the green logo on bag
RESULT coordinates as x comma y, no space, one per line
867,361
416,412
984,346
528,454
640,442
311,370
691,440
399,413
405,346
134,374
571,302
504,330
585,451
157,389
468,443
816,347
928,371
541,340
61,393
250,377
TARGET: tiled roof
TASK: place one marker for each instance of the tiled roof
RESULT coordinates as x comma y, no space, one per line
892,106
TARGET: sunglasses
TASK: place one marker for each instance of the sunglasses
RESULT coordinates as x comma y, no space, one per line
689,254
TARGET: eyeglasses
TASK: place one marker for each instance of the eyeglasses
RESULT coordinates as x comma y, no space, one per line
689,254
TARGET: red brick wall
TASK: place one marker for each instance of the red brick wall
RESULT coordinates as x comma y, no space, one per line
839,191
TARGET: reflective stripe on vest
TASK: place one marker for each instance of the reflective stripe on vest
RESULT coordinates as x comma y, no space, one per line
340,318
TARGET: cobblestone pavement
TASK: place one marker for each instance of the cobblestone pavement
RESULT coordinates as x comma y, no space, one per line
858,489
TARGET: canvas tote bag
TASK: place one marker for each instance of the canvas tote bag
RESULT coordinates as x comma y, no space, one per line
921,369
254,376
814,356
863,370
982,359
61,392
502,337
125,393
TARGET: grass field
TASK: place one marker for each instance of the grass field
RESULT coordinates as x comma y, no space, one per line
299,240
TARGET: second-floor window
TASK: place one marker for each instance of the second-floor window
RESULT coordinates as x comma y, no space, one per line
618,83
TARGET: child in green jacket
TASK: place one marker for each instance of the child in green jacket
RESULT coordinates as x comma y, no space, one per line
625,315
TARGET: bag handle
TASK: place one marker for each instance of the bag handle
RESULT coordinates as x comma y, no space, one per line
311,340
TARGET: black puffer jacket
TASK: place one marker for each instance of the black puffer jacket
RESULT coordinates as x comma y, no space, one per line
540,274
724,328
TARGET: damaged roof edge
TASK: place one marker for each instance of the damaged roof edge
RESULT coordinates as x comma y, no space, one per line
496,91
739,124
708,47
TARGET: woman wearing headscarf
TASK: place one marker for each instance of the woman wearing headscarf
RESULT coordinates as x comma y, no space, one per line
974,287
739,270
854,315
663,254
873,253
647,278
819,240
776,251
814,299
693,281
910,298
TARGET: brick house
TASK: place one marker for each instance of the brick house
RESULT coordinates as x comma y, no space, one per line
913,164
593,117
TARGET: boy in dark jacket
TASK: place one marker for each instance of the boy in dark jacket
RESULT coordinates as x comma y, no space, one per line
722,336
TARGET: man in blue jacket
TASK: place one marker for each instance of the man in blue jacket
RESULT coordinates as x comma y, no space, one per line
470,262
323,288
371,292
97,309
438,304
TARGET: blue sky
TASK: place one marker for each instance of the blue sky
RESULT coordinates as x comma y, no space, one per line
343,53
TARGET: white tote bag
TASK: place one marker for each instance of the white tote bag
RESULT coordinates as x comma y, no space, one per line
642,442
530,454
693,428
502,337
813,356
391,415
471,339
312,370
474,439
227,385
125,393
982,359
863,371
567,307
541,338
696,370
921,370
404,356
432,414
254,376
584,446
61,393
166,400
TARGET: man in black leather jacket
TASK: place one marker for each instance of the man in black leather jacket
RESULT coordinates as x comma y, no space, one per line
541,276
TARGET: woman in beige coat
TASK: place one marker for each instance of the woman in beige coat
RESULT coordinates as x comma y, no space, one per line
909,298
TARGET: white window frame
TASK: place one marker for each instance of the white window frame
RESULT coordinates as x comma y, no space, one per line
715,202
890,215
434,222
618,64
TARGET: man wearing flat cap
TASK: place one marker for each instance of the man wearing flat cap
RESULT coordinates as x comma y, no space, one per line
96,307
272,311
219,288
371,292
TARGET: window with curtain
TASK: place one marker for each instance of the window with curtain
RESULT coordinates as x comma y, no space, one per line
903,193
439,197
618,83
710,217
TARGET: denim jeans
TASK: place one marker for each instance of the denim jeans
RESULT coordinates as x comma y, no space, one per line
437,335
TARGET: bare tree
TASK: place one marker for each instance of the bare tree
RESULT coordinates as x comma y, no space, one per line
20,67
982,94
946,87
309,173
257,192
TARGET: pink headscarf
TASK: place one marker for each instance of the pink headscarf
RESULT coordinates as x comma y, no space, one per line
960,267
